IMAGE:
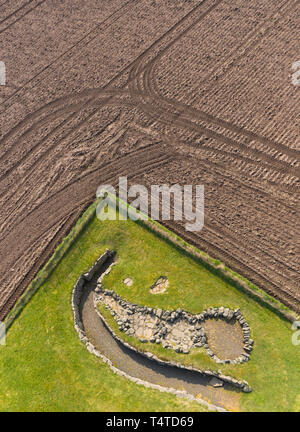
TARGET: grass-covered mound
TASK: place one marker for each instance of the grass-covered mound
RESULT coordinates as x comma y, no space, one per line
45,367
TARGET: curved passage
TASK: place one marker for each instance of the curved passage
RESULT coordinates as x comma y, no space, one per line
127,362
138,366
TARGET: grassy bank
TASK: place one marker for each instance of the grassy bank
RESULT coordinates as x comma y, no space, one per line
45,367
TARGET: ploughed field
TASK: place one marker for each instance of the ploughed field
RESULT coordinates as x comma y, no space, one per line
173,91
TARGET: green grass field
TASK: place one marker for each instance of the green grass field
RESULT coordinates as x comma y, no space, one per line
45,367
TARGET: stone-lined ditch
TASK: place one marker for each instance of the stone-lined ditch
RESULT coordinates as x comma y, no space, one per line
146,365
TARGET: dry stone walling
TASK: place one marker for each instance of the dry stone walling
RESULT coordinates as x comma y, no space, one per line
177,330
165,320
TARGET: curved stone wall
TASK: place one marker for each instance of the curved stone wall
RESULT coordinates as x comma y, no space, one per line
178,330
76,300
78,325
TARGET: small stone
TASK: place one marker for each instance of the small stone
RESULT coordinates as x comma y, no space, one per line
160,285
221,310
128,281
215,382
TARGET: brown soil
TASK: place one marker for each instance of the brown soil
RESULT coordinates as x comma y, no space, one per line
163,92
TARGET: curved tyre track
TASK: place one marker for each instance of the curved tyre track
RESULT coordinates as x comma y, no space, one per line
170,116
140,92
51,210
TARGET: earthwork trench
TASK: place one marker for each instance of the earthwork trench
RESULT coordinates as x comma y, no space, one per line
138,366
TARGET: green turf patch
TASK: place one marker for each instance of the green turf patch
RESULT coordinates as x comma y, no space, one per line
45,367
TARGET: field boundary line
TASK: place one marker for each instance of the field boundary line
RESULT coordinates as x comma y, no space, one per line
158,229
216,266
50,266
157,161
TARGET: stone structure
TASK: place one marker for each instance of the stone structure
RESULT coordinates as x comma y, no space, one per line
78,325
177,330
